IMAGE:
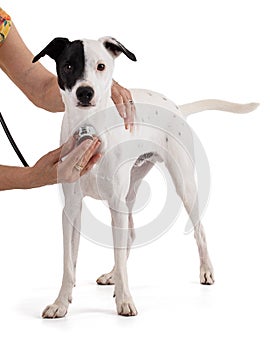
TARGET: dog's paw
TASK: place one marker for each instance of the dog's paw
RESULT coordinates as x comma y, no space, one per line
126,308
106,279
207,275
56,310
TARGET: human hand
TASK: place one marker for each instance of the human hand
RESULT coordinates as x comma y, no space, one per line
74,163
124,104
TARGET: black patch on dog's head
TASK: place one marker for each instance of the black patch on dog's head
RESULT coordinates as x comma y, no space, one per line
69,58
70,65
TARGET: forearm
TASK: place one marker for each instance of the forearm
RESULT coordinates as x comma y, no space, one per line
34,80
51,99
12,177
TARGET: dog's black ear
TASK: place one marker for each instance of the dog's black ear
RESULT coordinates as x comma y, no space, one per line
115,48
53,49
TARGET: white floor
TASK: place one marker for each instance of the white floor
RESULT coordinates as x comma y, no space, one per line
175,311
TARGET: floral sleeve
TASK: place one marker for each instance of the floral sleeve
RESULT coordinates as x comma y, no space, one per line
5,25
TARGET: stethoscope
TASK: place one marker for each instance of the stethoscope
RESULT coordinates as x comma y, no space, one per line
83,132
11,140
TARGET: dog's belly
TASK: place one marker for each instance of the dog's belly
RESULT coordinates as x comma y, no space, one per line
102,181
96,185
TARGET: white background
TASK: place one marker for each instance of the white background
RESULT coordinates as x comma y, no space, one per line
187,50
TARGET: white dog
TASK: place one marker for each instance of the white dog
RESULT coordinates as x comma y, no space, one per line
84,69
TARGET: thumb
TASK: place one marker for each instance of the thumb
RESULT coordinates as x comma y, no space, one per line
68,146
63,150
54,156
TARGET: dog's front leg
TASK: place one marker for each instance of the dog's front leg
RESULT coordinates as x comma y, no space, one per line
71,235
123,298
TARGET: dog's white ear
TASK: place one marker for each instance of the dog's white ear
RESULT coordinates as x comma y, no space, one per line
53,49
115,48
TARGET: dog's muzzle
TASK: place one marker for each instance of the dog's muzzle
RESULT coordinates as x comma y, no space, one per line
85,95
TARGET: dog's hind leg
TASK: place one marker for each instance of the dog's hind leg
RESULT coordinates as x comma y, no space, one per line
181,169
106,279
109,278
137,174
71,235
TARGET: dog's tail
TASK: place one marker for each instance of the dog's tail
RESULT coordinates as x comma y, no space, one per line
218,105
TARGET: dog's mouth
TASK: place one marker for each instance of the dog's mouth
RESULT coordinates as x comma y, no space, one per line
85,105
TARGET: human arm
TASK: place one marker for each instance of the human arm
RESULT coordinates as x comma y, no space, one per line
50,169
34,80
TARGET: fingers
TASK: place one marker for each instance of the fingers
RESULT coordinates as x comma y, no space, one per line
79,161
91,163
90,153
51,168
130,108
68,146
61,151
124,104
130,112
118,101
82,154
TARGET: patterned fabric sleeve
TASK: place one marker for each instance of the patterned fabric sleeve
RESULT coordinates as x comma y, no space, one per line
5,25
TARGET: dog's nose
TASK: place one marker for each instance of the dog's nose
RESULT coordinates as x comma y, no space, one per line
85,94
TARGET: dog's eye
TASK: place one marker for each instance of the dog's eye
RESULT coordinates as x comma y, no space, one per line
68,68
101,67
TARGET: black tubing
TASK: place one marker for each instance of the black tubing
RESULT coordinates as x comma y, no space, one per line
13,144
